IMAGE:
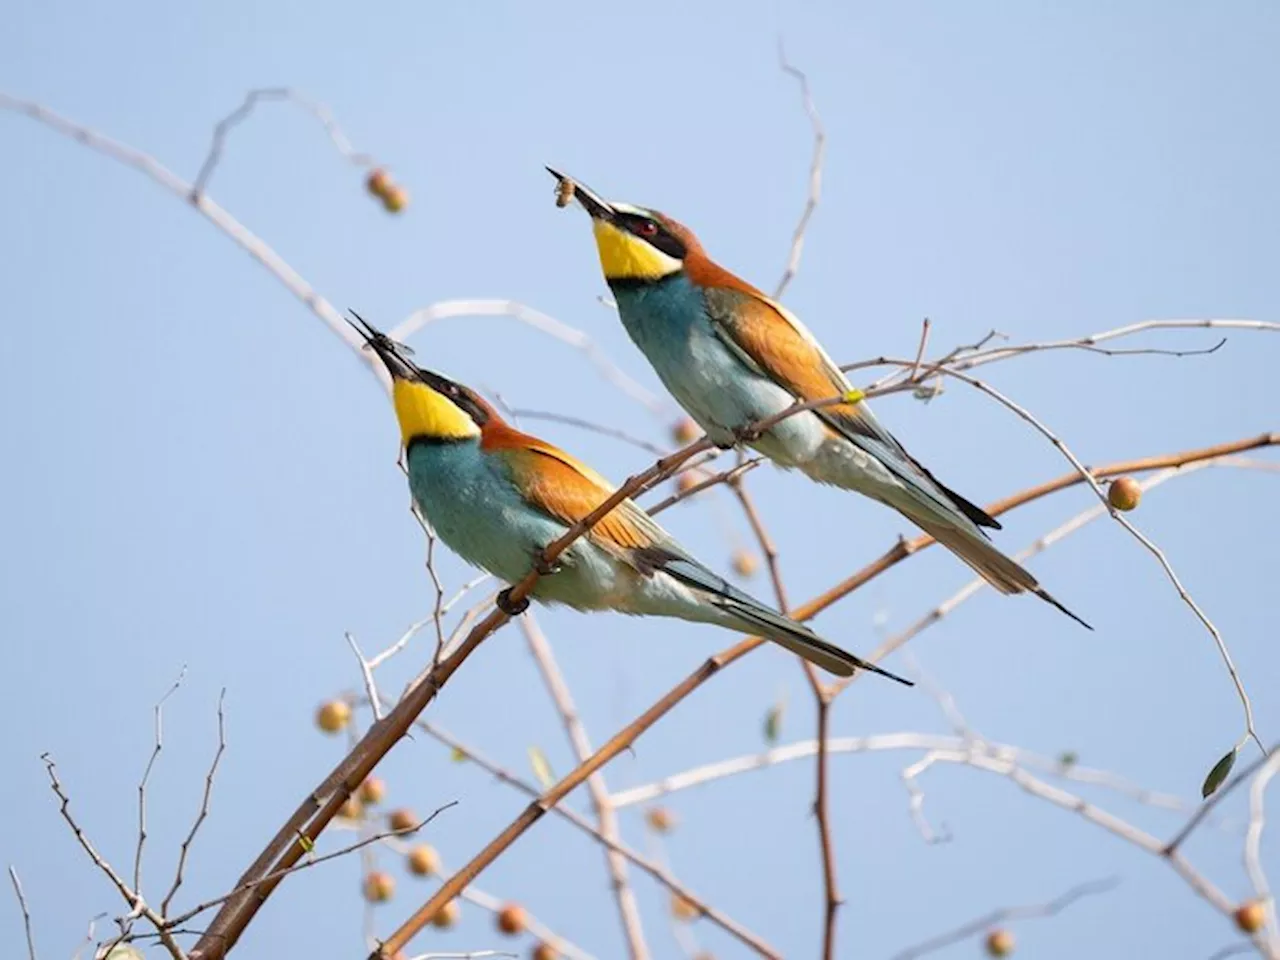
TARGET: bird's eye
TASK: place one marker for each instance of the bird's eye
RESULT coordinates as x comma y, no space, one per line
647,228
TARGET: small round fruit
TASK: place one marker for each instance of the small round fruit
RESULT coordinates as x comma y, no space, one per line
351,808
544,951
423,860
685,431
512,919
564,192
687,481
448,915
395,199
402,819
1251,916
1000,943
333,716
745,563
379,887
682,908
1124,493
373,790
379,183
660,819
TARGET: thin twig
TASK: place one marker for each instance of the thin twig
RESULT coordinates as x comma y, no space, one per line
716,663
815,171
583,424
822,704
314,861
628,909
487,901
1005,914
1253,847
138,907
319,110
158,713
539,321
648,865
315,812
204,806
724,476
1056,535
26,913
1224,653
366,673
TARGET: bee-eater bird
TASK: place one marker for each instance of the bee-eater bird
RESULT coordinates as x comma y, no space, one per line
732,356
497,497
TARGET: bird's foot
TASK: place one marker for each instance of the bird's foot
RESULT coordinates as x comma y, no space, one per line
509,606
747,434
545,567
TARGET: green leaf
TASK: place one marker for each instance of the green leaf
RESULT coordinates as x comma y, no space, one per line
541,768
773,724
457,756
1068,759
1218,774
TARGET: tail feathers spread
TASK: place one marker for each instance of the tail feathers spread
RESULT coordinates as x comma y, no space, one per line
755,617
993,566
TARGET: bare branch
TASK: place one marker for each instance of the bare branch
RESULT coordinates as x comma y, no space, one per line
158,712
26,913
137,905
366,673
204,806
539,321
1005,914
654,869
248,241
600,428
628,909
1253,847
815,171
313,861
319,110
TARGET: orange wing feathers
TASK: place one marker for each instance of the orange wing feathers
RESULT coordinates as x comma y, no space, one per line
568,489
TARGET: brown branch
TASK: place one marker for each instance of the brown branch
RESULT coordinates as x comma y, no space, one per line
905,548
715,664
555,794
822,703
350,848
322,804
628,909
649,866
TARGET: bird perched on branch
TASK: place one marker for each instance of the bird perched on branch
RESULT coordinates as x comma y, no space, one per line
498,497
732,356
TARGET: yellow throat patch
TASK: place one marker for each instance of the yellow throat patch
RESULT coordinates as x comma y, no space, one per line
423,412
624,256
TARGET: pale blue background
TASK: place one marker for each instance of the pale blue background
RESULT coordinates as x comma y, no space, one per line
197,473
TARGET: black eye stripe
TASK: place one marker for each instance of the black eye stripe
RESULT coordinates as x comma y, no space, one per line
660,237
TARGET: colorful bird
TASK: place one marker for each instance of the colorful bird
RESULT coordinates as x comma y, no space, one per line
732,356
497,497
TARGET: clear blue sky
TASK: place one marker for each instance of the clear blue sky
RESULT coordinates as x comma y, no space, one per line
197,473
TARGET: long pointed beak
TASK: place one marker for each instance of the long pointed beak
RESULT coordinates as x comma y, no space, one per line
391,354
596,206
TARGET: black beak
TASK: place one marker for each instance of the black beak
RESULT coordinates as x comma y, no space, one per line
393,355
595,205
